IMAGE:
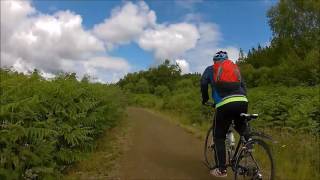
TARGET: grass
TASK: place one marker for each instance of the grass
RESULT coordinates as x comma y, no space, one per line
296,155
103,162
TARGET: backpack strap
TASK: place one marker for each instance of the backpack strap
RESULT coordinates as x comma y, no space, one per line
219,73
237,72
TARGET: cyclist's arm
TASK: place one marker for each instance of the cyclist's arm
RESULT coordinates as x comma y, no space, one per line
205,80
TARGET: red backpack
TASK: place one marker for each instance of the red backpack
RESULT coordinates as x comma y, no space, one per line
226,72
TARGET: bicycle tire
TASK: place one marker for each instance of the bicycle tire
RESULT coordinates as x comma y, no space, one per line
209,149
251,172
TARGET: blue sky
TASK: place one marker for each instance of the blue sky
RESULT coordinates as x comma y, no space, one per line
200,27
243,23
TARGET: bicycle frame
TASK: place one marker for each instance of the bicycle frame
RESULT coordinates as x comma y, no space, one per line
232,159
242,143
243,146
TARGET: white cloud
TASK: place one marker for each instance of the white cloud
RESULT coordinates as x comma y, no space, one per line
13,13
111,69
233,52
44,40
169,41
194,42
59,42
136,22
184,65
125,24
50,43
21,66
108,63
201,56
209,34
47,75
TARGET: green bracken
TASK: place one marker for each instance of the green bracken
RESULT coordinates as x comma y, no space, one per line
47,125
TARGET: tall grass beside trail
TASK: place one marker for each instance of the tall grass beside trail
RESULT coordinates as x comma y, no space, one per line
290,109
289,115
294,109
296,155
47,125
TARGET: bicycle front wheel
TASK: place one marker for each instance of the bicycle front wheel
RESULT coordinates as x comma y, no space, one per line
254,162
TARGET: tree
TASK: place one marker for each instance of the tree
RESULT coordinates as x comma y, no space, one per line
259,48
241,55
165,74
296,21
142,86
161,91
292,58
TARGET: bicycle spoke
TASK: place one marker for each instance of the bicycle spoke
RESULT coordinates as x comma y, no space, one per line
261,158
254,161
256,164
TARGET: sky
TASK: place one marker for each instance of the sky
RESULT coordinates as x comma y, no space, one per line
108,39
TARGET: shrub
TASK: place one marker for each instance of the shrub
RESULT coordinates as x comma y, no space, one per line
161,91
47,125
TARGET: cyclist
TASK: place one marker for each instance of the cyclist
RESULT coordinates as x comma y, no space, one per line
229,95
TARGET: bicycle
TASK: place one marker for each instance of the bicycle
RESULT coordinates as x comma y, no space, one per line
249,159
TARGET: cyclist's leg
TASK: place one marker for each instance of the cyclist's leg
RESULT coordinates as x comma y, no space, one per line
240,124
221,124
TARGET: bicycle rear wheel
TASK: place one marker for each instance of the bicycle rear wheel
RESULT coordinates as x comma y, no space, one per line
209,150
255,162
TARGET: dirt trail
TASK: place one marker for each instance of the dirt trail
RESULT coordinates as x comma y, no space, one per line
159,149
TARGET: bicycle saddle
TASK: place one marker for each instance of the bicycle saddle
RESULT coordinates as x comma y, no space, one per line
249,116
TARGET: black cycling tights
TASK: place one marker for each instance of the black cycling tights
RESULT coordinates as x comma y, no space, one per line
223,118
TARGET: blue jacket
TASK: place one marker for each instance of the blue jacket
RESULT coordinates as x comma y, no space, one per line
218,94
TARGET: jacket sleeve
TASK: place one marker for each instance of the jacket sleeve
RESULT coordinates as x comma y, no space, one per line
205,80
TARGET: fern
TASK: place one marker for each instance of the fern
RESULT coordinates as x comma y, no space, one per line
46,125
